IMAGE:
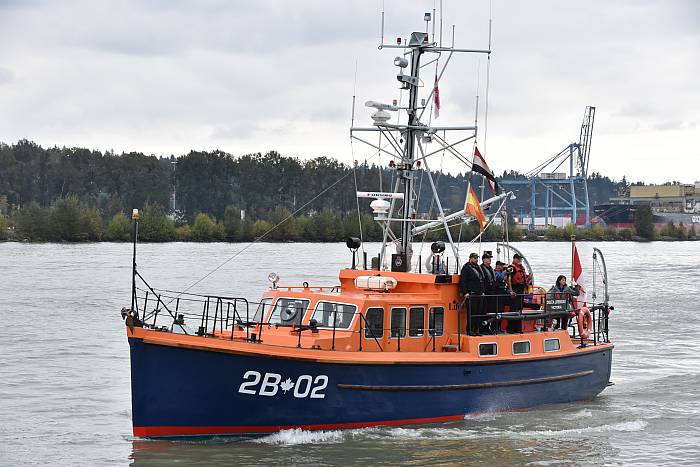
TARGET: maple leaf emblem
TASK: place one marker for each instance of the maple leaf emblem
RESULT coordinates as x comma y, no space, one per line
286,385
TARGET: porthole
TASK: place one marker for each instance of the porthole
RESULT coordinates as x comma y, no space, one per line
521,347
551,345
488,349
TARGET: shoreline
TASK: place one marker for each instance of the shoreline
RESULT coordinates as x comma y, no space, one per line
523,240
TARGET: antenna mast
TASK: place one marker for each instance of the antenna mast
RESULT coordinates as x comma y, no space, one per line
409,141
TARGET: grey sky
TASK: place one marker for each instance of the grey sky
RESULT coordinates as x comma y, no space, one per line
167,76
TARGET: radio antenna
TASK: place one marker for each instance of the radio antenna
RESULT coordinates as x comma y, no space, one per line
381,43
488,82
440,23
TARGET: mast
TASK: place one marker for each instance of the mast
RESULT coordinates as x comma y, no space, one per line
409,156
408,143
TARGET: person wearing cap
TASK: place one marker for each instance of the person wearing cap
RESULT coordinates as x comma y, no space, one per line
489,290
471,286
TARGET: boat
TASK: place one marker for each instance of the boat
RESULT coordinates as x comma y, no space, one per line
389,343
678,204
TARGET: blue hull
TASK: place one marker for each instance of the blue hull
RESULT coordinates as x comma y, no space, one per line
180,391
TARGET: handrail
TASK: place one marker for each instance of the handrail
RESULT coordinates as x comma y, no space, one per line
218,323
320,288
363,319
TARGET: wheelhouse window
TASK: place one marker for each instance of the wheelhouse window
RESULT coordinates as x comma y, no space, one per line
398,322
263,308
416,321
551,345
521,347
374,323
327,312
288,311
436,320
488,349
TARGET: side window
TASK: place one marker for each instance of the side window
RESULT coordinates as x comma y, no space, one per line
374,323
263,308
287,310
488,349
521,347
326,312
551,345
416,320
398,322
436,319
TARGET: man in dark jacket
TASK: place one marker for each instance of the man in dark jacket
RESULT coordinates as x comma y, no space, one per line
489,291
471,286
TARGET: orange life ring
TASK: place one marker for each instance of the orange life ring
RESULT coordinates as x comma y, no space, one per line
585,322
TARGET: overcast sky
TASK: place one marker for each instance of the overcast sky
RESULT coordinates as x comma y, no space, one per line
167,76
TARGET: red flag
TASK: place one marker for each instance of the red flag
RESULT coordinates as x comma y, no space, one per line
436,98
577,276
479,165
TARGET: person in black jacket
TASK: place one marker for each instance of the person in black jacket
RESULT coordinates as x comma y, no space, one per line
489,291
471,286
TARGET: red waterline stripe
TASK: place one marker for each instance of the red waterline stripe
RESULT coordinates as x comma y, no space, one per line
222,430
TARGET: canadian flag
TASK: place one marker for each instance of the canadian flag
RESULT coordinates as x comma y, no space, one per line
577,276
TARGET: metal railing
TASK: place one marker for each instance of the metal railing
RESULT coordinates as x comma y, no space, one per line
545,307
228,311
215,314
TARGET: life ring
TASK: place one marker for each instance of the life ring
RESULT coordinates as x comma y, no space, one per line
585,322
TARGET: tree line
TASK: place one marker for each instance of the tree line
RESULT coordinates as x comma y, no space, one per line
78,194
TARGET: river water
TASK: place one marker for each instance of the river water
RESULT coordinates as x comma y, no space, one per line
64,363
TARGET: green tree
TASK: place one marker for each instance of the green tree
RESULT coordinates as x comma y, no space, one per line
33,222
260,227
643,222
183,233
233,225
285,227
205,229
155,225
119,228
3,227
66,220
596,232
92,223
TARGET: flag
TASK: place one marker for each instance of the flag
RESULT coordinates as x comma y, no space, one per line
577,276
479,165
436,98
472,207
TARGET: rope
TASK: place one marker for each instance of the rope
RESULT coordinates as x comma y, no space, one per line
262,236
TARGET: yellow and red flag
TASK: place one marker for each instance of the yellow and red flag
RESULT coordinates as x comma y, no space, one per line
473,208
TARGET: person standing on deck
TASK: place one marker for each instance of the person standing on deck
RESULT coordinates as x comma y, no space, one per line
501,285
489,291
518,282
517,285
562,291
471,286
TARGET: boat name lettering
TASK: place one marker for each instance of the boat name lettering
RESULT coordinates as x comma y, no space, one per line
270,384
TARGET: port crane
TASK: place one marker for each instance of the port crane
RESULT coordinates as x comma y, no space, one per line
554,191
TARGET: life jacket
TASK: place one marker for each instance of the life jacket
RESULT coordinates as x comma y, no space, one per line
519,277
471,279
489,278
